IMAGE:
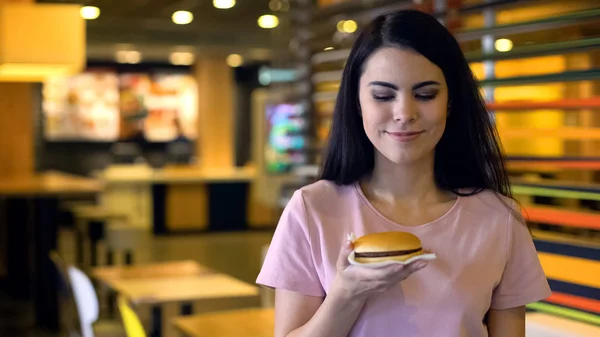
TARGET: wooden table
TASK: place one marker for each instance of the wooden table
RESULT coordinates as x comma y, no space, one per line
255,322
31,205
167,286
110,276
184,289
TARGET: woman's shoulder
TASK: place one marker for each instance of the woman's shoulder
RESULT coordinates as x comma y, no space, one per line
488,201
324,192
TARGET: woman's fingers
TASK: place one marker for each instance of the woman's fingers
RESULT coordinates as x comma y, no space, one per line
342,261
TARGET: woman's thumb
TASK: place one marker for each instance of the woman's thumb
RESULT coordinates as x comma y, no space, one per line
342,261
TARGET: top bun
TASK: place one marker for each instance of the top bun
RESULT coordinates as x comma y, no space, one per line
386,241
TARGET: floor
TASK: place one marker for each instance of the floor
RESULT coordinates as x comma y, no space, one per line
235,253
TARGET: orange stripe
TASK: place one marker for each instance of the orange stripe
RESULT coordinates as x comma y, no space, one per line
555,164
562,104
575,302
561,217
565,132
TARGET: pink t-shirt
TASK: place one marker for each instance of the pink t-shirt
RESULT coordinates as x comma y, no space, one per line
485,259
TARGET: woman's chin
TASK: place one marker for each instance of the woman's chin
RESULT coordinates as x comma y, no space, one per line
404,157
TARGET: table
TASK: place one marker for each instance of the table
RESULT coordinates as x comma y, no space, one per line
167,286
181,198
110,276
31,204
184,288
254,322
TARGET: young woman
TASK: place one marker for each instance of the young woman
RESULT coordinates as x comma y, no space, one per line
412,148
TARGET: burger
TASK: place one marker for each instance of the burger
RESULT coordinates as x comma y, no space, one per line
387,246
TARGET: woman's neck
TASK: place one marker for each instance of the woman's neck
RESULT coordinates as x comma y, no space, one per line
411,183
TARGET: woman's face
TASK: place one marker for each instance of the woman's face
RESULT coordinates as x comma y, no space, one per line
403,99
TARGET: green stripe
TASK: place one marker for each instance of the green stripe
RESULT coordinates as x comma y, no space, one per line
565,313
552,192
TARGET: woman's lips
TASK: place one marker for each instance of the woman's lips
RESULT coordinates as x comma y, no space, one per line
405,136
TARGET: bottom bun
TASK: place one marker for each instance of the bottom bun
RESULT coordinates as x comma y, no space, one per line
399,258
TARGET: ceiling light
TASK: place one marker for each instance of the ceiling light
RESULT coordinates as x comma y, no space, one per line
89,12
503,45
235,60
182,17
328,48
129,56
275,5
223,4
349,26
268,21
181,58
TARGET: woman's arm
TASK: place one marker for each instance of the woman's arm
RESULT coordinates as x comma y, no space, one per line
507,322
298,315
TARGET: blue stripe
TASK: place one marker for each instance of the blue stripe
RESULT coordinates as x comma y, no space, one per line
588,253
574,289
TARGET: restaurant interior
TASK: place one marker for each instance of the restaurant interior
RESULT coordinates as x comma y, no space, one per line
148,149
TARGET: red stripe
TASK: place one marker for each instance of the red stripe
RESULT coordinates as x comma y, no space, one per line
575,302
561,217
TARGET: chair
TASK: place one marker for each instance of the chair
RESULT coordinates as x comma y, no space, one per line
104,224
88,309
131,321
68,308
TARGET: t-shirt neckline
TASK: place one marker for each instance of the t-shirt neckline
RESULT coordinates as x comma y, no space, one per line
439,220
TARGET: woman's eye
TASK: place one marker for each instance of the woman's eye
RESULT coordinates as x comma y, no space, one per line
425,97
383,98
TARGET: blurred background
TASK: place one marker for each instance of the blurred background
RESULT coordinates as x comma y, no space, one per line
148,147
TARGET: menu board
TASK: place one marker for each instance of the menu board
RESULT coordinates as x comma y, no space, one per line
162,107
106,106
82,107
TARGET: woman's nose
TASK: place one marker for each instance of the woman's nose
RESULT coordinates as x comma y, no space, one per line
405,110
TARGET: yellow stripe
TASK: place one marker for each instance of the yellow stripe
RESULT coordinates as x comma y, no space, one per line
571,269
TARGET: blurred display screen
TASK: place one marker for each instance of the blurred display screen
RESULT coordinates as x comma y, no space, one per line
82,107
286,139
161,108
101,105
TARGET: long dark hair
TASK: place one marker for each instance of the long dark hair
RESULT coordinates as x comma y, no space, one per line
468,155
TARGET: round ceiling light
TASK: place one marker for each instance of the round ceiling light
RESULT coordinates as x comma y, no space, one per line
182,17
349,26
129,56
89,12
223,4
181,58
235,60
268,21
503,45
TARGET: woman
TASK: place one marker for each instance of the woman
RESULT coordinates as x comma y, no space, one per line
412,148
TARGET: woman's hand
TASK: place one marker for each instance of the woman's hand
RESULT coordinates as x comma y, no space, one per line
358,283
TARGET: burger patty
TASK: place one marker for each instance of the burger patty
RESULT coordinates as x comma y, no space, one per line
390,253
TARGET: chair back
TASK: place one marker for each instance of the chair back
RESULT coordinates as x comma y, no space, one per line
85,299
131,321
68,308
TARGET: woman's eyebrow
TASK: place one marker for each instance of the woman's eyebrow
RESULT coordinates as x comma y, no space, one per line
395,87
